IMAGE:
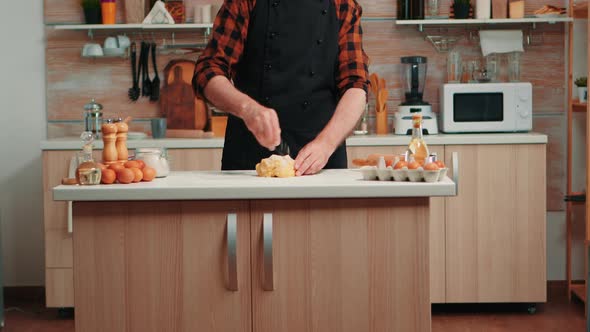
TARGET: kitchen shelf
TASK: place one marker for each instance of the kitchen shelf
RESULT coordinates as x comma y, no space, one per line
579,290
118,27
581,9
132,26
579,107
530,20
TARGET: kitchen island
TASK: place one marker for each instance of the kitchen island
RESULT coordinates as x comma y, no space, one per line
228,251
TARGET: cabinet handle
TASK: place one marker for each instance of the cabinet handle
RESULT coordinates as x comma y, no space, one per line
455,157
232,259
268,284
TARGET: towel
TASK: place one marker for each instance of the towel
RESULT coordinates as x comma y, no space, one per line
500,41
159,15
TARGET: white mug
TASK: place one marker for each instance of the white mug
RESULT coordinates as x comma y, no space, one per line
206,13
92,49
198,15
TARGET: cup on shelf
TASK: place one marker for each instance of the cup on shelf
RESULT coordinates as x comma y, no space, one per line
159,127
92,49
205,13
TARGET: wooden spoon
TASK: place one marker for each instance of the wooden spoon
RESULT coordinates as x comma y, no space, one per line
383,95
381,84
374,83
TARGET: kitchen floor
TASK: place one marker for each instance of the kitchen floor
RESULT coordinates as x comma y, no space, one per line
556,315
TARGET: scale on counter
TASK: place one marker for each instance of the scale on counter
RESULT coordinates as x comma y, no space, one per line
414,77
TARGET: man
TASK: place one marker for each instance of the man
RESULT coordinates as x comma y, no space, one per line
300,75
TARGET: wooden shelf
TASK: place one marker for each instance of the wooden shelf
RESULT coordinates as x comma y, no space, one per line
579,107
581,9
579,290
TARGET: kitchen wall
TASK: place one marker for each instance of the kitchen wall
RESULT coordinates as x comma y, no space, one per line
71,81
22,127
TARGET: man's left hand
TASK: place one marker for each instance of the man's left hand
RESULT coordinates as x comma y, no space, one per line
313,157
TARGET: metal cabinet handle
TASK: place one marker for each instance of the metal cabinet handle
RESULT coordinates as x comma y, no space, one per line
455,157
232,259
268,284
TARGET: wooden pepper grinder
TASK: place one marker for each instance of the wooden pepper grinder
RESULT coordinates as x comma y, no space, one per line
109,138
121,143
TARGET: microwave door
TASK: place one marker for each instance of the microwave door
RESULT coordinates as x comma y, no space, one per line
479,111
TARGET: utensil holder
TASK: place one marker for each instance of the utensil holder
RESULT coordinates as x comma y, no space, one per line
381,123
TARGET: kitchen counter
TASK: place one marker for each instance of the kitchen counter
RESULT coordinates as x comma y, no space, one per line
186,252
246,185
369,140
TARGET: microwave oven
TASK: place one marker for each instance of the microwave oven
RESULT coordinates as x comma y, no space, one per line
486,107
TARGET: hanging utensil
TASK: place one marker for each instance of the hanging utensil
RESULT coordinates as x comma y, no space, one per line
146,87
155,86
134,90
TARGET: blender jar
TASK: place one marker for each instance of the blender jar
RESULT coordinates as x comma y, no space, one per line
414,77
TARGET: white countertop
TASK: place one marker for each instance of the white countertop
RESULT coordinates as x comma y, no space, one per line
217,185
368,140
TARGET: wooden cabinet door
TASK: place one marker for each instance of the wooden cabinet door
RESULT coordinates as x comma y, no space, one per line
340,265
437,219
495,238
162,266
59,287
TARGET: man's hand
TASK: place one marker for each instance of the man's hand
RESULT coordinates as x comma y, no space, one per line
313,157
264,124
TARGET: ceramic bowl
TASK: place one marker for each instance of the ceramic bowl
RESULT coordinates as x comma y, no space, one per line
92,49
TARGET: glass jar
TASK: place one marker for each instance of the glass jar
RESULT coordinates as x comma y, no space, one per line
176,10
514,67
155,158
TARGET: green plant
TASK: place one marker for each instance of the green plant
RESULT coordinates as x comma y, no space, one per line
462,2
581,81
90,4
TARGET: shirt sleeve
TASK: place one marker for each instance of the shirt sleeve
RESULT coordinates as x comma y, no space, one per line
226,46
353,71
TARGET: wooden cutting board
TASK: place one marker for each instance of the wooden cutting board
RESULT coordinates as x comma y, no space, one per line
178,103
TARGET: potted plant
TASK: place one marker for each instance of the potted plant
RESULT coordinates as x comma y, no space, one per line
461,8
92,11
581,83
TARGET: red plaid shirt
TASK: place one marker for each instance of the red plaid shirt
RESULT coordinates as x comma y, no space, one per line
230,32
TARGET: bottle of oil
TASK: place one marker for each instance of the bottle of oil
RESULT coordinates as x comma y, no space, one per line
417,150
88,172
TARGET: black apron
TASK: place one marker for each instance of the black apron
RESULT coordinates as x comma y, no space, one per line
289,64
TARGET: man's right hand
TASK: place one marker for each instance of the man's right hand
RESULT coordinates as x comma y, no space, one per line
264,124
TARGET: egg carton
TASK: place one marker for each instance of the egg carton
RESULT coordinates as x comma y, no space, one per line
372,173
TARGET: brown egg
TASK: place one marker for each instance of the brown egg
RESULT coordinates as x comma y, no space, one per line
116,167
413,165
148,174
431,167
132,164
141,164
400,164
440,164
125,175
108,176
138,174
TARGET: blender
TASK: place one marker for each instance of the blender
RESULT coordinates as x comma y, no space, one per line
414,78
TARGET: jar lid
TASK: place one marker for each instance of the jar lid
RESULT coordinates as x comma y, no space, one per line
93,106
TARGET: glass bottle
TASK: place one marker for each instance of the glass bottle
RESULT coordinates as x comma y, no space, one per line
417,9
88,172
417,149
